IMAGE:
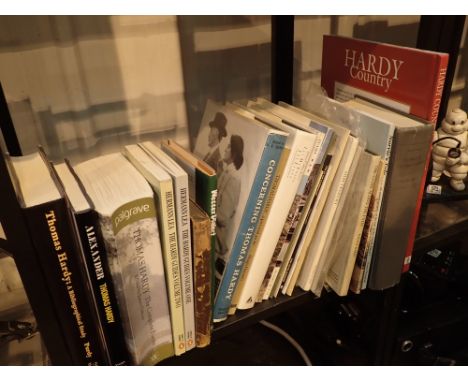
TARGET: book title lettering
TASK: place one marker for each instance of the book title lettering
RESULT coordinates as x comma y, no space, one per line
66,275
214,196
126,214
143,283
251,229
372,69
93,245
438,95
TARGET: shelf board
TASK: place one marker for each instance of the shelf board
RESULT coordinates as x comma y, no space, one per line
241,320
441,221
244,318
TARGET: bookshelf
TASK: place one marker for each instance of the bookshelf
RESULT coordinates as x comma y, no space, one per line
387,302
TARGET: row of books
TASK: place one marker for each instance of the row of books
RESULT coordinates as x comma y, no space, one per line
143,249
126,249
328,199
328,196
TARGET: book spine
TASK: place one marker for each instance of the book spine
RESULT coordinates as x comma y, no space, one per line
371,218
201,249
377,220
98,271
185,258
438,90
54,242
254,207
290,225
312,207
134,249
171,263
307,188
297,259
339,274
206,195
326,223
253,267
401,196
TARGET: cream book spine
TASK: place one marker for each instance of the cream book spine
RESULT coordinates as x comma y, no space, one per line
329,172
341,211
164,196
285,250
182,209
352,225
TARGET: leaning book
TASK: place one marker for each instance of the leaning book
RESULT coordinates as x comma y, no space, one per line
251,154
128,219
94,256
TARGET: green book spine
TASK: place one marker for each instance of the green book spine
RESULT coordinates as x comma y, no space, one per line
206,193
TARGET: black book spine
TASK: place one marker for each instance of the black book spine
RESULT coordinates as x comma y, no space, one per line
54,241
93,247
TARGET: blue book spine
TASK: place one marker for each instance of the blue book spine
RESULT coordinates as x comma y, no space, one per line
253,209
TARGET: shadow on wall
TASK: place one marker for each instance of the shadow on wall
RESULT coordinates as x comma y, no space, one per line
85,85
224,58
398,34
56,72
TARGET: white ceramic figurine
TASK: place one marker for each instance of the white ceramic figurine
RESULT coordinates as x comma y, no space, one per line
448,150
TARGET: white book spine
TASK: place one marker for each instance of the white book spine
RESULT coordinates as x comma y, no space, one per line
286,252
268,283
301,147
329,170
185,258
319,240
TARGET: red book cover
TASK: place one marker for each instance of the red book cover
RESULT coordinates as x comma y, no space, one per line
406,79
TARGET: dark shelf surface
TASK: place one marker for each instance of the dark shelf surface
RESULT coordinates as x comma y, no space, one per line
244,318
441,221
244,326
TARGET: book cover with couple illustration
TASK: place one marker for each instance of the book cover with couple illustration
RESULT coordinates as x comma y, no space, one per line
245,153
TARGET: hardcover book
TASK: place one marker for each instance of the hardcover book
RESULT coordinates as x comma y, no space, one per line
46,215
201,248
245,174
405,79
410,146
128,218
85,221
182,209
161,183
